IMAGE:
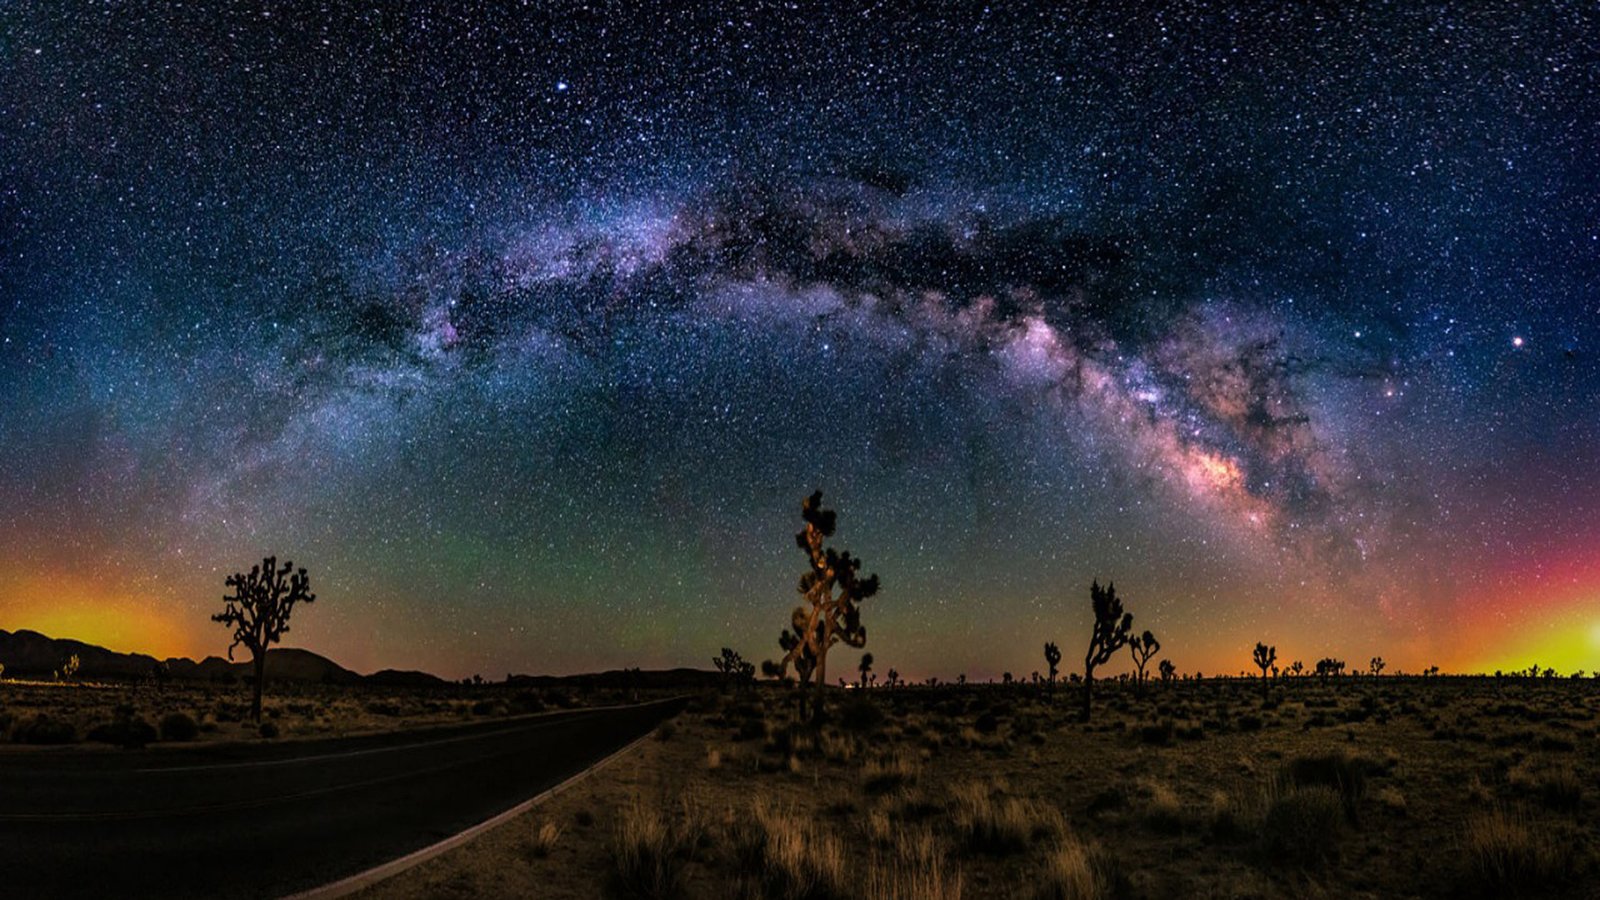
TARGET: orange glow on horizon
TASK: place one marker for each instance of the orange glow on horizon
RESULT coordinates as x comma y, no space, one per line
71,606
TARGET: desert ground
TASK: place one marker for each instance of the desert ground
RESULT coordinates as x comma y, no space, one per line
1369,787
112,714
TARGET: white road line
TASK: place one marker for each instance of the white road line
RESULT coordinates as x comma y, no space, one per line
347,886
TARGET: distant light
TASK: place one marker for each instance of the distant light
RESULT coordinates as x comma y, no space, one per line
1517,341
561,85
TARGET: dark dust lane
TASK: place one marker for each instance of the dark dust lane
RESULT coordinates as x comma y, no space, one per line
264,821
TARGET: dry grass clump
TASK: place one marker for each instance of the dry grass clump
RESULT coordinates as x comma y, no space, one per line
1392,800
1504,855
1301,823
651,849
886,773
1162,811
713,758
1075,870
785,857
1337,770
986,821
916,871
543,840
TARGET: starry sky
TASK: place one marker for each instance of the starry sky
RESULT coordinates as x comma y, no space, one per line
527,327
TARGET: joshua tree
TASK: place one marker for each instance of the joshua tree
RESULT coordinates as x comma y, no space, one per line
69,669
259,610
1329,666
865,667
1052,656
892,679
1376,665
1296,667
1143,647
1111,628
1264,656
1168,670
733,668
824,618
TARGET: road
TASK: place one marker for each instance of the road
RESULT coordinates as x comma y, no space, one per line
265,820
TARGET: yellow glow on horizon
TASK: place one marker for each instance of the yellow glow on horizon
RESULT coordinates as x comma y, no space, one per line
71,606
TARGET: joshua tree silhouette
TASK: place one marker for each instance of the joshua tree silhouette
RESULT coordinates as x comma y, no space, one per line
258,612
1111,628
1167,670
1143,647
733,668
825,618
1052,657
1377,666
1264,656
865,667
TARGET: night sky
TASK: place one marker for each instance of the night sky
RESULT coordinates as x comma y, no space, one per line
526,330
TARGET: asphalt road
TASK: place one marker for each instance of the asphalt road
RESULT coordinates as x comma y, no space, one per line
265,820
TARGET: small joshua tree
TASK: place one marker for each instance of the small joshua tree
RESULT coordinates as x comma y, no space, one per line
824,618
259,610
865,668
1168,670
69,669
892,679
1111,633
1264,656
1376,665
733,668
1296,667
1052,656
1143,647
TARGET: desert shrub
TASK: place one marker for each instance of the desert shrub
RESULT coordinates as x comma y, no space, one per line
1392,800
666,731
269,730
650,852
883,774
1077,871
125,731
713,758
988,723
860,715
179,727
489,708
916,871
527,702
387,708
1250,722
1301,822
1503,855
42,729
986,821
1158,733
751,730
788,858
1558,788
1345,774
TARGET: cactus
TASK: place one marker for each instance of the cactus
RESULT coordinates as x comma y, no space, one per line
1052,656
1143,647
1264,656
824,618
1111,632
1168,670
259,612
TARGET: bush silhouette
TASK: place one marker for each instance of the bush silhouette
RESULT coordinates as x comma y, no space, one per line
179,727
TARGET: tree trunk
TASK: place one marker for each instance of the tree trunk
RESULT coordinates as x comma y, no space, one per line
1088,692
261,676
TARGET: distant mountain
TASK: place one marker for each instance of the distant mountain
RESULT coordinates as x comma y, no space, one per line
31,653
406,679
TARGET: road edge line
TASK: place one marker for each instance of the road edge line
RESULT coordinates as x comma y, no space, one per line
384,871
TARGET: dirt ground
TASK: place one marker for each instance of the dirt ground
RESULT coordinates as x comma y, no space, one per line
1379,788
107,715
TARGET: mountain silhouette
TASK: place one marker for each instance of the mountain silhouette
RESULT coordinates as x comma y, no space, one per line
29,653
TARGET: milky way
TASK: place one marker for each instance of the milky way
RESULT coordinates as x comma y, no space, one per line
526,330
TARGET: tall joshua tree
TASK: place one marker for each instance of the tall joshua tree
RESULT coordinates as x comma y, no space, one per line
1111,631
258,612
1264,656
831,609
1052,656
1143,647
